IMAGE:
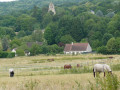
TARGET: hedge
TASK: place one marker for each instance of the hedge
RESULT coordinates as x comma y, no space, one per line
5,54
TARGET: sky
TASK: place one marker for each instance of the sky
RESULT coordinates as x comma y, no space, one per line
7,0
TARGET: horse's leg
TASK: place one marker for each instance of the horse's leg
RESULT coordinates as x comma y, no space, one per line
94,74
104,74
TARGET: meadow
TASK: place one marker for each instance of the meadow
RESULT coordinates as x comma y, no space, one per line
37,73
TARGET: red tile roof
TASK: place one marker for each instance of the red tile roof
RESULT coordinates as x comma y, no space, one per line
76,47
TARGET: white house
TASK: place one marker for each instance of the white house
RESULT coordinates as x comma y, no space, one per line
14,50
77,48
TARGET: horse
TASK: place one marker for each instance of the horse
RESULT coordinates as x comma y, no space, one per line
101,68
110,57
67,66
11,72
79,65
50,60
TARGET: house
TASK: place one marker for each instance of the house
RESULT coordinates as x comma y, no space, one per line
14,50
77,48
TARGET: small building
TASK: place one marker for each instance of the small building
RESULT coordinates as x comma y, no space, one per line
14,50
77,48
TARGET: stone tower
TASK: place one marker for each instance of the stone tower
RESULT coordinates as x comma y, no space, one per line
52,8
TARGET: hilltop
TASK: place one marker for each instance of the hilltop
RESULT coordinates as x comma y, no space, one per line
11,7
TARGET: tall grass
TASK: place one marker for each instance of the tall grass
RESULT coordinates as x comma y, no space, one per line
75,70
116,67
110,82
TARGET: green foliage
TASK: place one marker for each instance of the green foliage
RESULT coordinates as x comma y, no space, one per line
113,45
106,37
75,70
15,43
71,18
51,33
99,13
110,82
34,50
25,23
66,39
5,44
37,36
102,50
5,54
20,52
11,55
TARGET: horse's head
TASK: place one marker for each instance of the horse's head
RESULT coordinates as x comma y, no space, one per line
110,72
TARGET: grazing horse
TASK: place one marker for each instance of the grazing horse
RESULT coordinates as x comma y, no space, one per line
50,60
110,57
101,68
67,66
78,65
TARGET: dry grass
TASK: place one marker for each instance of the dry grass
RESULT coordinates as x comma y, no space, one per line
39,74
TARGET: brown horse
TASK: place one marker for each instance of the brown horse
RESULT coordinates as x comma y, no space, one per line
67,66
78,65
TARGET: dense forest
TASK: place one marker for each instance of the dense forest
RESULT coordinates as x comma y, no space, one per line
93,21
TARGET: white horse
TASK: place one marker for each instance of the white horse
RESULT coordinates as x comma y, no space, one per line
101,68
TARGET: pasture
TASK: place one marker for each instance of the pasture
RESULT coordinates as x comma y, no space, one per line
38,73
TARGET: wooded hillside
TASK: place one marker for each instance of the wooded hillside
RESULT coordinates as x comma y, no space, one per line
93,21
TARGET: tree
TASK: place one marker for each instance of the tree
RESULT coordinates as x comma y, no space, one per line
99,13
77,30
15,43
37,36
20,52
66,39
102,50
34,50
106,37
111,47
114,24
25,23
5,44
21,34
110,14
46,20
51,33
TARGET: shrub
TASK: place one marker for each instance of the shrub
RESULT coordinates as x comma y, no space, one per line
102,50
11,55
110,82
20,52
5,54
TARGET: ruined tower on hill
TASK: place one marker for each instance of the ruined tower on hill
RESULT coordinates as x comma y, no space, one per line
52,8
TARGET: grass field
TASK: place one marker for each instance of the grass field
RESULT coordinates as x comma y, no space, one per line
37,73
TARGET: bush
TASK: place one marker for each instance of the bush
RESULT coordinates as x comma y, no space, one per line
20,52
11,55
5,54
102,50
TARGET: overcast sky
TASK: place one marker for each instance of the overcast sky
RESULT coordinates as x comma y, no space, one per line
7,0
